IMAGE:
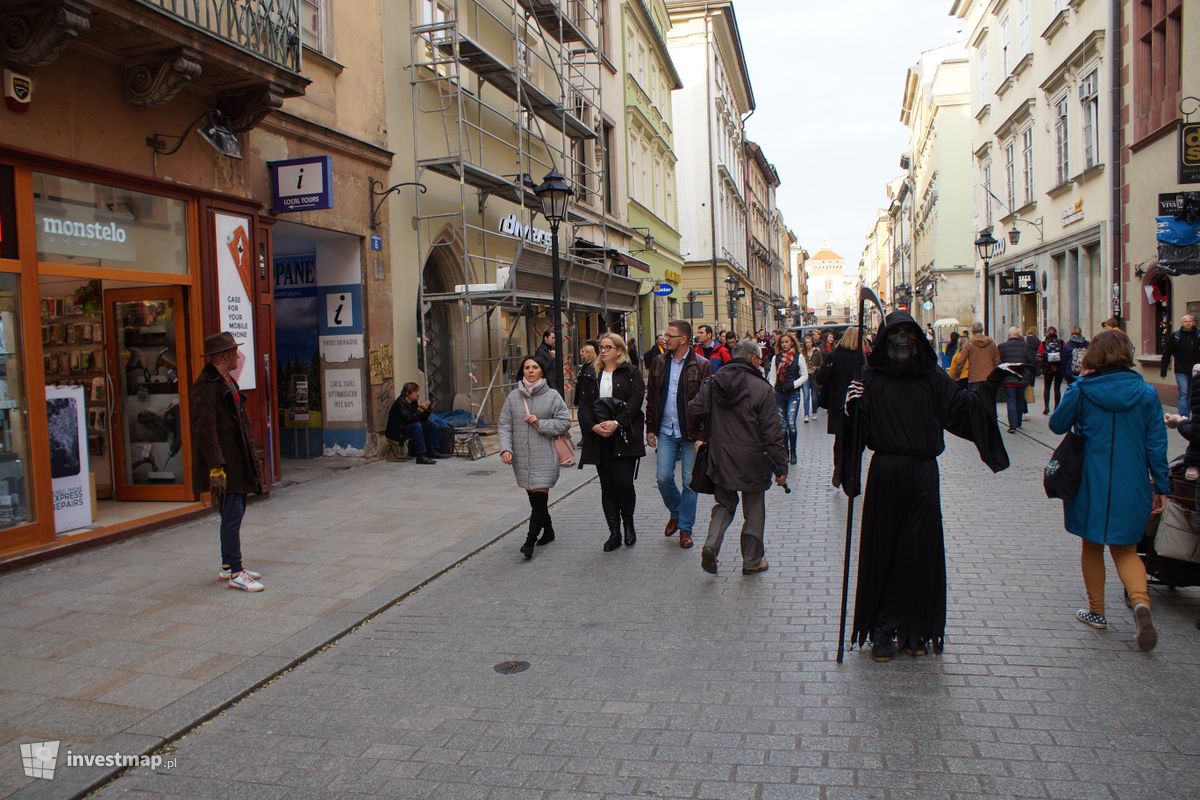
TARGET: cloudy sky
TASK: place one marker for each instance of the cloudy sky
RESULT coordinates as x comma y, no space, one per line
828,79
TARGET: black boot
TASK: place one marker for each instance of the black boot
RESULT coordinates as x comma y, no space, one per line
628,504
537,513
612,515
630,533
527,548
543,499
791,447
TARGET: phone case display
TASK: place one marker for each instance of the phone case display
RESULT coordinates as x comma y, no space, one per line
68,457
149,392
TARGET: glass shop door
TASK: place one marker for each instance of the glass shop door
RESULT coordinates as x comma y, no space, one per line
147,377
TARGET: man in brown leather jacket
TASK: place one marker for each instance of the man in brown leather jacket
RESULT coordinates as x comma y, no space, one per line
223,453
675,378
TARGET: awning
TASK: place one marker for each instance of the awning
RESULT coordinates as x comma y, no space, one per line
585,287
632,262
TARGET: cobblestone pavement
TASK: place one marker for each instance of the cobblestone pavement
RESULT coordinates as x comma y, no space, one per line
649,678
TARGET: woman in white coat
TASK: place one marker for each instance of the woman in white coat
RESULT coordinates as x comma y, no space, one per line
788,372
533,415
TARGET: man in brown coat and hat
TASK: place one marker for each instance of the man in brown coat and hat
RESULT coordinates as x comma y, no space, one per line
745,451
223,453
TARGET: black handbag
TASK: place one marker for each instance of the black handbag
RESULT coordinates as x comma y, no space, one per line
1064,471
701,483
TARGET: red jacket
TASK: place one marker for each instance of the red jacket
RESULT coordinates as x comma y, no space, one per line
718,358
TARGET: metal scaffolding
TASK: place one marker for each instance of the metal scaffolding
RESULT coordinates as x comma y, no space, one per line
515,87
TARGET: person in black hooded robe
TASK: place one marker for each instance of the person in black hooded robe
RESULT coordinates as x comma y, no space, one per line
901,407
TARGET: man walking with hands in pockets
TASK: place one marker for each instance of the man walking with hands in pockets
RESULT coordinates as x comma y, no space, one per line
745,448
675,379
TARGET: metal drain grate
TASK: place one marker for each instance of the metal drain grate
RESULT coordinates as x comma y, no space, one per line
511,667
479,472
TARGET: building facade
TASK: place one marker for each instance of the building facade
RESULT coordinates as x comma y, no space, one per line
127,238
830,293
650,79
710,112
763,238
1041,77
1160,177
936,111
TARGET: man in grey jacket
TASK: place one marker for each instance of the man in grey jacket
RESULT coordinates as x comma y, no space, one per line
745,449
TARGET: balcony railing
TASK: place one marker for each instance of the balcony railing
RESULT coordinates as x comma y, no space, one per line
269,29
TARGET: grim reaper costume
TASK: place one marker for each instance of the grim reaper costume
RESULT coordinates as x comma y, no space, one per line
900,409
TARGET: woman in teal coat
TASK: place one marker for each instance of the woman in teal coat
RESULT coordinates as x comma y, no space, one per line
1124,474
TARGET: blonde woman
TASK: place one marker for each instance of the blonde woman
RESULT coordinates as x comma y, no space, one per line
612,424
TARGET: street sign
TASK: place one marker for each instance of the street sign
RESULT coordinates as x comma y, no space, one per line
927,305
693,310
663,289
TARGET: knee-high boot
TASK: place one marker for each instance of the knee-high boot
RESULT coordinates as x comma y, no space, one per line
792,445
543,501
535,524
612,515
628,503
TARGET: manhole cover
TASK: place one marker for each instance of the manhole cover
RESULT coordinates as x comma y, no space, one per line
480,472
511,667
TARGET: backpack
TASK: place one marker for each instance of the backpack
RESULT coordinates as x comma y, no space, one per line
1054,352
1077,354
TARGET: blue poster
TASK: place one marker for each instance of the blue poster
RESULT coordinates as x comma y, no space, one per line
296,329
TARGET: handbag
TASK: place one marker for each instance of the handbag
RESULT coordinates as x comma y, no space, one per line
1064,471
564,448
1178,534
701,482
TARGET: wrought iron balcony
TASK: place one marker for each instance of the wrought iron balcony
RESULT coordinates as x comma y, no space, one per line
269,29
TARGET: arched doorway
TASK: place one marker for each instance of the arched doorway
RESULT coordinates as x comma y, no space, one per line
1156,320
437,357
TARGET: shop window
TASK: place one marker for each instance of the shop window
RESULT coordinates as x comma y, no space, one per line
91,224
8,214
14,436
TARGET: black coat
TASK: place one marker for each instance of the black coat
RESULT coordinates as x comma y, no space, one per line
841,367
630,441
1016,351
221,435
585,383
403,412
745,445
1184,348
545,360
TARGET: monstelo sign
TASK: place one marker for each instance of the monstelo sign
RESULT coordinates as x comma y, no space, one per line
1189,152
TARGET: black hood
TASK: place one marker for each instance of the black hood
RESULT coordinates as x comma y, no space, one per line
894,322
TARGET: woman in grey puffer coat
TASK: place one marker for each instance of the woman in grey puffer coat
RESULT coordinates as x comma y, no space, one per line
533,415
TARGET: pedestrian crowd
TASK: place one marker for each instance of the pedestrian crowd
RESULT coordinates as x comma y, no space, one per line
721,413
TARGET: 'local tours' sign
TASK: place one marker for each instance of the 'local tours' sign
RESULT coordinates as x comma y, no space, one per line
511,226
301,184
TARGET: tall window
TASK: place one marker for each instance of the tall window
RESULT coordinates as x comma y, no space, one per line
1027,163
1062,166
984,90
1089,97
312,25
606,166
1005,38
1023,27
1010,174
1157,26
987,194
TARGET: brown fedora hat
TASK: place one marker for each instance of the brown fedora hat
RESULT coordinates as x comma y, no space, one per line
219,343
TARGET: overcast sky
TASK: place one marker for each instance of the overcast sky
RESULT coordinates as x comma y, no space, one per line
828,80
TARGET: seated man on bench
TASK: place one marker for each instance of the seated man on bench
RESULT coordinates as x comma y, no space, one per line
408,420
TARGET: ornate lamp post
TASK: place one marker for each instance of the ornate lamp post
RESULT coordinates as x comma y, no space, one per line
555,194
986,246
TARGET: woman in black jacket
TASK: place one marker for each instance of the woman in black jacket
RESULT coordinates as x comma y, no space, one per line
842,367
614,434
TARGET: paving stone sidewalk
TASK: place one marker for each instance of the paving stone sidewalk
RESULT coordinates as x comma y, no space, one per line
649,678
121,647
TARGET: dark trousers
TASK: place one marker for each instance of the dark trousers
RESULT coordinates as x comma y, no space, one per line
1051,381
617,494
1016,399
423,435
233,508
754,517
539,514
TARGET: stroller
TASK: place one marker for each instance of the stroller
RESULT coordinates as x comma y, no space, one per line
1176,533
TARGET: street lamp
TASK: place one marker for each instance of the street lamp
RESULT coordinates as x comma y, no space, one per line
555,193
731,299
986,246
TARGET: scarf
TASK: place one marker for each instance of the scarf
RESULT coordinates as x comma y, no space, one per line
530,387
785,359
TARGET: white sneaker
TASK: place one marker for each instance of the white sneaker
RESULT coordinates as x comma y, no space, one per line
225,574
244,582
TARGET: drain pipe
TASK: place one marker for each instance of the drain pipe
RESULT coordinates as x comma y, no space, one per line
1117,214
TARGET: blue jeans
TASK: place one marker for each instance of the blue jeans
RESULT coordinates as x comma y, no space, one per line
233,508
788,404
1184,381
1016,399
680,505
423,436
808,398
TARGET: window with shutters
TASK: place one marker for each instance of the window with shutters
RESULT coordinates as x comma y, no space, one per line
1157,64
1027,164
1089,99
1062,165
1010,174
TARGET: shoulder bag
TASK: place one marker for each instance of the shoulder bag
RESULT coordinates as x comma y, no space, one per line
564,448
701,483
1064,471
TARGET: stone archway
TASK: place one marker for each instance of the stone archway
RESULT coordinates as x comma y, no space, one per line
1156,313
438,358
